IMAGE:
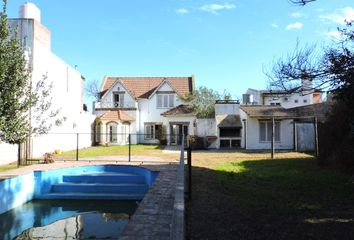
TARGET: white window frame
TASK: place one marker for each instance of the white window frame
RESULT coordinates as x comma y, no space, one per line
149,131
165,100
120,100
268,131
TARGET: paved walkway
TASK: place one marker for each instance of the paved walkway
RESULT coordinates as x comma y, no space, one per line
153,218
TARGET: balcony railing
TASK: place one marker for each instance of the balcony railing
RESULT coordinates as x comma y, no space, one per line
114,105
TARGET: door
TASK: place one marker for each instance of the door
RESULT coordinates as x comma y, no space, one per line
174,134
305,134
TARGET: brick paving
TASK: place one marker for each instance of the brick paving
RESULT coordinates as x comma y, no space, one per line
153,218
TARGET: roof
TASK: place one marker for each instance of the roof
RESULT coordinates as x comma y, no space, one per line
266,111
318,110
116,115
180,110
143,87
225,121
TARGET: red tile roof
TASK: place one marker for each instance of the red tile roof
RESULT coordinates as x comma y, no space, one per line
143,87
116,115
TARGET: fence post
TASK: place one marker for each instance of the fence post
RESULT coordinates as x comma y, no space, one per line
189,163
273,139
129,146
77,146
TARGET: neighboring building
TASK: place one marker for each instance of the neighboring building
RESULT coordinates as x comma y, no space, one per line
151,109
300,96
67,91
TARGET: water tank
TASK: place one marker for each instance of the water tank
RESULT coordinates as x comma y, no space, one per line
31,11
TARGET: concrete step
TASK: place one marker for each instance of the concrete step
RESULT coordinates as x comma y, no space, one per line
139,188
104,178
91,196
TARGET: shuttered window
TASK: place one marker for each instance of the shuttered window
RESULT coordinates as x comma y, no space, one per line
265,131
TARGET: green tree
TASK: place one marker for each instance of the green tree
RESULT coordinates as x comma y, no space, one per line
16,97
25,110
203,101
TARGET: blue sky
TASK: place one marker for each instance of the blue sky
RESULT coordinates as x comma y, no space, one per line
226,44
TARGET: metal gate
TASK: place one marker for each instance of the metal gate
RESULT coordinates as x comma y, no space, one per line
305,137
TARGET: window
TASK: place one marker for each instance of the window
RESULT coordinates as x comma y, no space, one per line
296,101
305,100
165,100
265,131
149,131
118,100
153,131
275,103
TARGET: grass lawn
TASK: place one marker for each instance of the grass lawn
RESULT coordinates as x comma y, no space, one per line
236,197
146,150
8,167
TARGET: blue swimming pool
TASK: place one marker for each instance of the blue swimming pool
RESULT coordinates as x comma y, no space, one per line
102,182
67,219
71,198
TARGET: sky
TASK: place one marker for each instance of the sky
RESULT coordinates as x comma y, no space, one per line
227,45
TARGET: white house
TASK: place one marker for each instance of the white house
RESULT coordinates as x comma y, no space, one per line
67,91
250,126
287,99
150,109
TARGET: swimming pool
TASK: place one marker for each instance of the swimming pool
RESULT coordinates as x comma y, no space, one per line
71,188
66,219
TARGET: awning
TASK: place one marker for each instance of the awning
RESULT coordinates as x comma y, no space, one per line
228,121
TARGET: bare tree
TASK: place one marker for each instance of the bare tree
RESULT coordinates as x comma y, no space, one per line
92,89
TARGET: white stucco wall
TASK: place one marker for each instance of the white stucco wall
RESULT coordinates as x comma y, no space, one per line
288,101
8,153
107,99
253,139
149,113
206,127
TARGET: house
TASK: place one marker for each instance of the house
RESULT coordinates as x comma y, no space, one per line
250,127
299,96
146,109
67,90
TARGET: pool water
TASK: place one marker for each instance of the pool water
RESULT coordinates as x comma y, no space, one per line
67,219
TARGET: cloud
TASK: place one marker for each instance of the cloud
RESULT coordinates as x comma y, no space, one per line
214,8
297,15
182,11
296,25
340,15
336,35
274,25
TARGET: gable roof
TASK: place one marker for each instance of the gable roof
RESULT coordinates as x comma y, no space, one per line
143,87
180,110
115,115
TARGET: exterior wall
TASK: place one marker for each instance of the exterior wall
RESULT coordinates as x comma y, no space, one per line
107,99
149,113
206,127
288,101
66,93
227,108
286,136
8,153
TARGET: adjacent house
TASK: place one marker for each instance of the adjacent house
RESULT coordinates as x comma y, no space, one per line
148,109
66,95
